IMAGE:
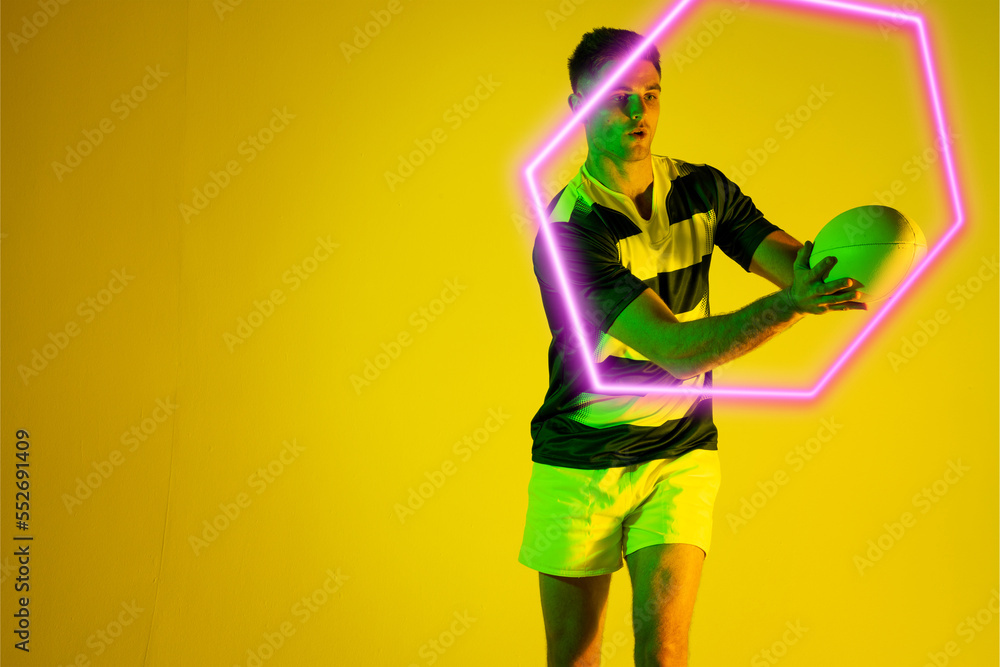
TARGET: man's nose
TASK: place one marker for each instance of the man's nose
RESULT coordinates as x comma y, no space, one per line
636,108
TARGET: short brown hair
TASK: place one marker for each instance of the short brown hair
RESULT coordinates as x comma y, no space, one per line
600,45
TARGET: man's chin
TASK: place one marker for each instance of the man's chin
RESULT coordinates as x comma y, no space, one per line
626,153
635,153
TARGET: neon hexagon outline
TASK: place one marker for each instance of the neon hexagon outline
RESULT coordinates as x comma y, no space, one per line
916,22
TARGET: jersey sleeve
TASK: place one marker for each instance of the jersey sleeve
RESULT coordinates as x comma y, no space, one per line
588,254
740,227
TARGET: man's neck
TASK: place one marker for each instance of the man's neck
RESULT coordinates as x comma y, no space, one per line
632,179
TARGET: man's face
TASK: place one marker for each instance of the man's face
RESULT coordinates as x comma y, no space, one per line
622,122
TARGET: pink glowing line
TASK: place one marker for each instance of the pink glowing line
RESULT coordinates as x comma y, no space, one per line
852,8
540,208
931,81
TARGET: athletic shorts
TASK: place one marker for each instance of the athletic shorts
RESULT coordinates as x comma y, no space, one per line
581,522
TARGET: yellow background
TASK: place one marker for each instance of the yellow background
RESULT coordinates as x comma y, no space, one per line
325,525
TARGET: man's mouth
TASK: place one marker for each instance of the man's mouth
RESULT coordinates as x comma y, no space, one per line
638,133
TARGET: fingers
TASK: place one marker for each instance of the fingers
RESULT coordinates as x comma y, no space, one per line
837,294
842,285
802,257
842,296
822,269
844,300
817,273
850,305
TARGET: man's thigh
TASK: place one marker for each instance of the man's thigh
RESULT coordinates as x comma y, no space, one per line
665,580
573,609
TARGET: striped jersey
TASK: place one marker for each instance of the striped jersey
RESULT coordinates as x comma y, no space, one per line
609,255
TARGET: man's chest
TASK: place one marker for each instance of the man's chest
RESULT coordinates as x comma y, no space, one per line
660,245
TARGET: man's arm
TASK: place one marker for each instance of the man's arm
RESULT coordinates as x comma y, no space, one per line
775,257
687,349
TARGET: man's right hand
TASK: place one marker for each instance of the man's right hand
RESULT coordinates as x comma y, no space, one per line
809,291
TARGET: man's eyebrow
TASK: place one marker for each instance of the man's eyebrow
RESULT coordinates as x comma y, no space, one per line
655,86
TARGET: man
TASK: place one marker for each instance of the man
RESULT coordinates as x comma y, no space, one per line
638,474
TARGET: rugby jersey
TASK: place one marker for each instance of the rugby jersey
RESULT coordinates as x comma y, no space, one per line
610,255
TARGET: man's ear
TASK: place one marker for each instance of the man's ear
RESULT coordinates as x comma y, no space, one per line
573,101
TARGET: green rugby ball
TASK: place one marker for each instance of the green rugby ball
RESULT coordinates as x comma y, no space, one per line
875,245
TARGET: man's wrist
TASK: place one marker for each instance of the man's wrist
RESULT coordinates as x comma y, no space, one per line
786,306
